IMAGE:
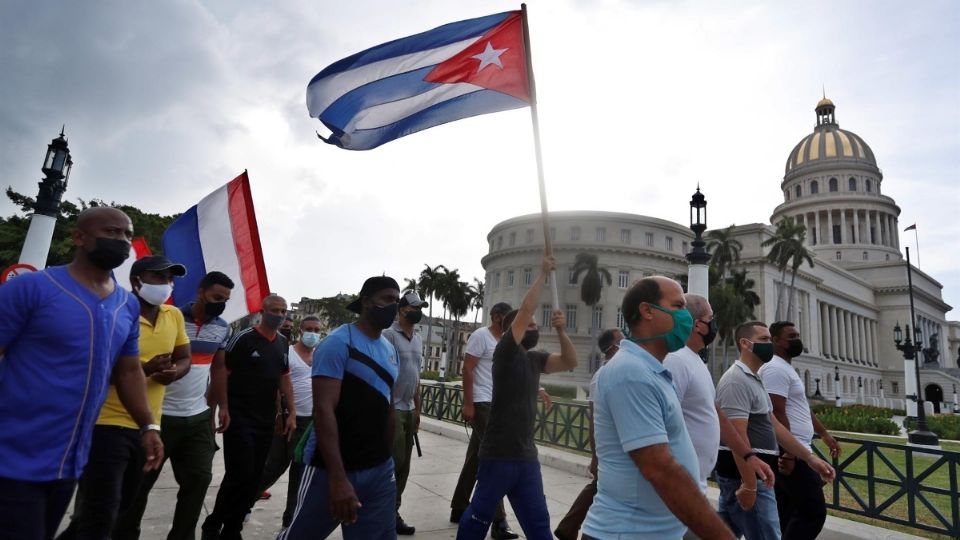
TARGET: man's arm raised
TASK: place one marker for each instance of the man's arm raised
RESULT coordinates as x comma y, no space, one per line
529,306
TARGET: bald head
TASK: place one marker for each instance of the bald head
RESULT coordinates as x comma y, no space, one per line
102,237
94,216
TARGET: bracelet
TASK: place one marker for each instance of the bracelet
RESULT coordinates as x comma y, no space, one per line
150,427
745,488
749,455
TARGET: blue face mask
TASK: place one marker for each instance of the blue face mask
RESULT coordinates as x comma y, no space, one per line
677,336
310,339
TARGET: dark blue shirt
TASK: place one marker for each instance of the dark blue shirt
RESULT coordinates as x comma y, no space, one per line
61,343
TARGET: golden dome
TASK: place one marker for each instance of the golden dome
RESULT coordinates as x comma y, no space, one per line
829,144
824,102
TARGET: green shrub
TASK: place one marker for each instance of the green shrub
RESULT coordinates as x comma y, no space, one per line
868,409
857,418
435,376
946,427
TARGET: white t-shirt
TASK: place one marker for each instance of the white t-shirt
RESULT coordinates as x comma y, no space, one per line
694,385
301,377
481,344
780,379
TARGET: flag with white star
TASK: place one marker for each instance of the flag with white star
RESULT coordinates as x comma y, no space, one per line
458,70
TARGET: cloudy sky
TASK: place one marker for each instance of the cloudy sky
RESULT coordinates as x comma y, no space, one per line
639,101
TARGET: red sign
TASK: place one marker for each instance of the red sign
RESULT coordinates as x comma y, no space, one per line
15,270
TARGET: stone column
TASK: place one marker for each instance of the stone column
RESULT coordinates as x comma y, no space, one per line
862,339
875,235
857,237
843,228
876,343
895,226
824,330
841,334
829,227
819,236
882,228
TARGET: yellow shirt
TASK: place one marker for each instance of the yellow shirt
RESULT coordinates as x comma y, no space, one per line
160,339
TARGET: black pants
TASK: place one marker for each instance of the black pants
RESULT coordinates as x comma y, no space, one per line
108,484
245,449
33,510
800,503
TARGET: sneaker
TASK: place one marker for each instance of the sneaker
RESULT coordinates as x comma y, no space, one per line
403,529
501,531
265,496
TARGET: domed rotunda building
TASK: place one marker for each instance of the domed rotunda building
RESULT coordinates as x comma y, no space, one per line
846,306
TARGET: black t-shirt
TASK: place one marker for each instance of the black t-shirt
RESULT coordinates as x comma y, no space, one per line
513,412
256,365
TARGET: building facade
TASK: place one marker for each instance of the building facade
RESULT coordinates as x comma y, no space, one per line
846,306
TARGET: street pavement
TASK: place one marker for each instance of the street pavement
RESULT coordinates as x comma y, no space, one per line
427,496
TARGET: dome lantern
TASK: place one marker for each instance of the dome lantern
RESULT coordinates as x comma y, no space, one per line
825,109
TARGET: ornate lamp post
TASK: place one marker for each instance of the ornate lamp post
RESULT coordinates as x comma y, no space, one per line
698,276
836,384
860,389
922,435
817,394
883,400
56,169
956,403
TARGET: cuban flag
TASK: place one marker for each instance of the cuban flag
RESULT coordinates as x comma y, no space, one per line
220,233
458,70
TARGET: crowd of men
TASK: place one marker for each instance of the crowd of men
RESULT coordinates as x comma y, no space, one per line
87,370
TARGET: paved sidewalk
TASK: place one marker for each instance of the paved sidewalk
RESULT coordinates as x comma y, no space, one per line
427,497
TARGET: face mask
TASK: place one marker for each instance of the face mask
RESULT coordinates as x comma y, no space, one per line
272,321
155,294
763,351
214,309
711,334
310,339
530,339
676,337
109,253
383,316
795,348
414,316
286,332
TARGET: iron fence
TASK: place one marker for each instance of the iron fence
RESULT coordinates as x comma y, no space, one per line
888,482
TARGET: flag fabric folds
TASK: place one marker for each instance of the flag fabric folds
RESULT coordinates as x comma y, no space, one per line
455,71
220,233
911,228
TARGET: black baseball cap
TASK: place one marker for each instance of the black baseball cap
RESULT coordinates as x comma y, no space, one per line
370,287
157,263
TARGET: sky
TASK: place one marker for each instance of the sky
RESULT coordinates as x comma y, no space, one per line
639,102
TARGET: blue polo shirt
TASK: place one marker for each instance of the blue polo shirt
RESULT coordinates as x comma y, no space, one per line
61,345
636,406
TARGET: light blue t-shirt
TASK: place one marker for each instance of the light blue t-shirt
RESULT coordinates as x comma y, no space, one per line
636,406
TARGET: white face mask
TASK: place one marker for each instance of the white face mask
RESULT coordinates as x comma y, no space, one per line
155,294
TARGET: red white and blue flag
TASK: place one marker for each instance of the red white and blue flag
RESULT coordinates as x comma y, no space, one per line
458,70
138,250
220,233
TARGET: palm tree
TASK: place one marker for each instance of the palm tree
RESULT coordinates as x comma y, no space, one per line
730,310
476,298
410,284
429,280
724,249
787,250
743,286
592,285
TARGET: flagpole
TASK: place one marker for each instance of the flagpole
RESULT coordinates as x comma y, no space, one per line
916,240
548,245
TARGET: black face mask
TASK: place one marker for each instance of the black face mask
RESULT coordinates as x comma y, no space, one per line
414,316
383,316
530,339
795,348
711,334
109,253
272,321
286,332
214,309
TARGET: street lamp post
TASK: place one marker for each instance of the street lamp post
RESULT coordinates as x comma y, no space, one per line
956,404
56,169
836,384
883,400
922,435
698,275
817,394
860,389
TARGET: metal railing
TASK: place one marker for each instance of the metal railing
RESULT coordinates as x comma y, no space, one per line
893,483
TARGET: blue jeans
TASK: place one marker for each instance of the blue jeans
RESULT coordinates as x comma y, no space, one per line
760,522
376,490
522,483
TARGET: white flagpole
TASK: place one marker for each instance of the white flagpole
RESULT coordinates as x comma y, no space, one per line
536,142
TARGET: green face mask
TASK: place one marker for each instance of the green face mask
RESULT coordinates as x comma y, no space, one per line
676,338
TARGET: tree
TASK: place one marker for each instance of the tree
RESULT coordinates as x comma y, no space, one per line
730,310
410,284
724,250
476,293
787,250
592,285
333,310
429,281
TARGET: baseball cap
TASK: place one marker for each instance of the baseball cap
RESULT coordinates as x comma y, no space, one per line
371,286
157,263
412,299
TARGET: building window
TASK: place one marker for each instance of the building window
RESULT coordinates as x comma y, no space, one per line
888,256
625,236
814,187
833,185
685,246
601,234
496,280
513,239
509,278
597,317
839,255
571,277
500,241
619,317
869,186
852,184
575,233
895,387
572,317
865,255
668,243
545,313
798,191
649,239
529,236
623,279
528,276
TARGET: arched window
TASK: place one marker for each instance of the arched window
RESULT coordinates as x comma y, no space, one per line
852,184
839,255
844,384
833,185
865,256
798,191
814,187
869,186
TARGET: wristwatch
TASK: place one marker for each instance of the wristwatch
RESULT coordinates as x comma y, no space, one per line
150,427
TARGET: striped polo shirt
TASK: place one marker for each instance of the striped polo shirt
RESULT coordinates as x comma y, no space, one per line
188,395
